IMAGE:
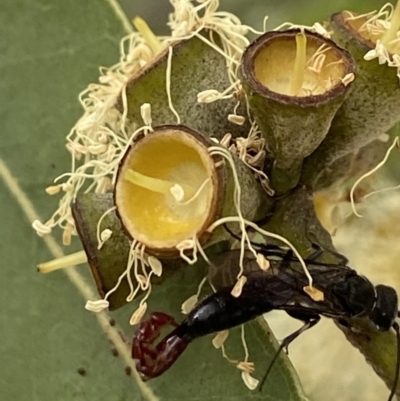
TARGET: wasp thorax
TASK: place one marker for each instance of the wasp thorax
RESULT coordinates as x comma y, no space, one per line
166,191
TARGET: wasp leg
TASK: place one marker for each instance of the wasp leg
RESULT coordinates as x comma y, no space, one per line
309,322
343,261
344,323
319,250
314,256
287,258
271,249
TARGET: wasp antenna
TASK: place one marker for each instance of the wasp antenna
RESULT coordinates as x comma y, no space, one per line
232,234
264,379
397,370
237,237
311,321
263,247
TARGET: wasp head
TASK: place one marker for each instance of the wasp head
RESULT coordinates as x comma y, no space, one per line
385,311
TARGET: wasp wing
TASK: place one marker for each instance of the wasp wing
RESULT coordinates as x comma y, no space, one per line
282,284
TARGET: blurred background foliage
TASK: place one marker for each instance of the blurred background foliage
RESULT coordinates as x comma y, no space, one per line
252,12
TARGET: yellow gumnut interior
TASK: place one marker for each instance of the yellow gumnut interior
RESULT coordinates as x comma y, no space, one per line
274,67
159,162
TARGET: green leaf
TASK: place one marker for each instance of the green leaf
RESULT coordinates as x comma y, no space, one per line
51,50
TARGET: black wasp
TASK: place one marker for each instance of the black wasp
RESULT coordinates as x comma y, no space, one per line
346,295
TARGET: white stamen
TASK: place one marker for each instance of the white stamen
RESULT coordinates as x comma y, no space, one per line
220,339
237,289
97,149
318,63
313,293
140,52
67,234
208,96
97,306
177,192
142,280
370,55
258,159
318,28
196,194
102,138
379,191
235,119
138,314
66,187
236,199
383,138
168,85
40,228
105,235
104,184
155,265
189,304
395,143
226,140
262,262
380,52
250,382
246,366
188,244
54,189
395,60
348,78
145,112
75,147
